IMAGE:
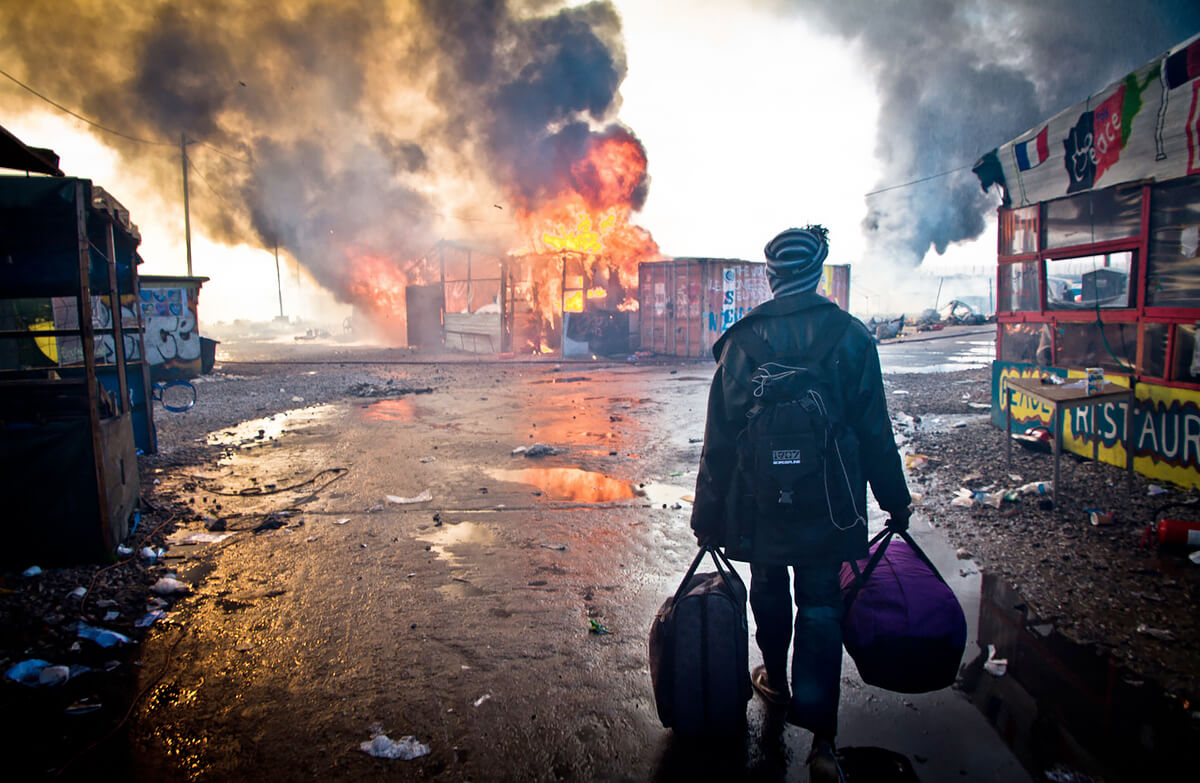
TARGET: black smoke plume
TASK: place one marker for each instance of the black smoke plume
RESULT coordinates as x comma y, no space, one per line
959,77
337,127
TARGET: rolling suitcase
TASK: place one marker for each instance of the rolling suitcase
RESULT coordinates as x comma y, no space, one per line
699,648
903,626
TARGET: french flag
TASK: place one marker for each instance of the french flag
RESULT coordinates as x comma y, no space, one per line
1033,152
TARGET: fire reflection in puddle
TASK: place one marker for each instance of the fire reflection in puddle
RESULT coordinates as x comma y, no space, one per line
400,409
569,483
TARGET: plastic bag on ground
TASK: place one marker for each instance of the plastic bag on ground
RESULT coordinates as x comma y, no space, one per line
423,497
383,747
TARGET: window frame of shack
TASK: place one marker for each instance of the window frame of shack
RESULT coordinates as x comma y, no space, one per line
1043,234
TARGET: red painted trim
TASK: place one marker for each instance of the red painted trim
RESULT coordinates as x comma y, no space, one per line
1189,314
1142,261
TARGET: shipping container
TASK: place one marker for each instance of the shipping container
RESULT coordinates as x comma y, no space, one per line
685,304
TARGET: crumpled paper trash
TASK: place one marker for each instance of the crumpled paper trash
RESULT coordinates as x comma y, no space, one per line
383,747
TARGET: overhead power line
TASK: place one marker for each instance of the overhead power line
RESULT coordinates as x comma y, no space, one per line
107,129
916,181
78,116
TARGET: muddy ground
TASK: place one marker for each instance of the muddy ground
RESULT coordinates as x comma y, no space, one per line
1095,584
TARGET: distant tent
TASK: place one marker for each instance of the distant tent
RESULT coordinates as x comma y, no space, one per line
15,154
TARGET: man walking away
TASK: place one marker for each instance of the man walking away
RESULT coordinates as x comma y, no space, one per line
797,426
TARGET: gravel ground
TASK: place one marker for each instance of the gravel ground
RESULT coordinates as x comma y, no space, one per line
1095,584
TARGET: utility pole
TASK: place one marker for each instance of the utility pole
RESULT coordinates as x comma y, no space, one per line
187,218
278,278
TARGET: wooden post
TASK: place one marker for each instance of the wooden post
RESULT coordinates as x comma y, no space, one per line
114,305
187,218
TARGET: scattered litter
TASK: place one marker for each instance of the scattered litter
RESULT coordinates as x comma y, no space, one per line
341,521
105,603
82,707
1013,477
124,551
541,450
997,667
915,461
1063,774
555,547
383,747
695,440
32,571
27,672
901,391
297,399
150,618
272,522
1155,490
206,538
1161,634
965,572
1036,488
916,497
111,615
518,451
1100,519
422,498
149,553
981,406
78,592
169,585
959,425
427,460
102,636
1195,557
597,627
54,675
311,539
963,554
482,699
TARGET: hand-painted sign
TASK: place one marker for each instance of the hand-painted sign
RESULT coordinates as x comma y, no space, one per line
1166,424
1145,126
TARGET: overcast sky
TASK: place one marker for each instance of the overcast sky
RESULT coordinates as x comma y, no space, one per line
753,120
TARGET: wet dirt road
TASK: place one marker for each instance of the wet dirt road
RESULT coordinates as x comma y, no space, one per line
464,620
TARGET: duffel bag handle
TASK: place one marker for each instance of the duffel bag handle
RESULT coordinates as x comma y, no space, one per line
724,568
883,538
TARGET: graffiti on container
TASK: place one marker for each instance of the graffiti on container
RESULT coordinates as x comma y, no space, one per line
171,337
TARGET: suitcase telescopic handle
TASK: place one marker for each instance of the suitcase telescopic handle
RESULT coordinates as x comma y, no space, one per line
883,538
724,568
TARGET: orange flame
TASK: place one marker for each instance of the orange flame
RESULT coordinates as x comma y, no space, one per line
597,293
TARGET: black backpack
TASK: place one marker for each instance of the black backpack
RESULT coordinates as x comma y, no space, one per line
797,459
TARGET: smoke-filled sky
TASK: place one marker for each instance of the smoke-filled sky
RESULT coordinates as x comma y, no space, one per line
375,127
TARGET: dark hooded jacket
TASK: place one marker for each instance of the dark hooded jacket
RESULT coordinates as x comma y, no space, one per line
791,325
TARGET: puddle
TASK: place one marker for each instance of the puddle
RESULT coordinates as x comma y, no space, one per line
576,484
399,409
443,539
267,428
1063,703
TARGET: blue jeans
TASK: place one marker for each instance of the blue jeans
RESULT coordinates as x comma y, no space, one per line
817,653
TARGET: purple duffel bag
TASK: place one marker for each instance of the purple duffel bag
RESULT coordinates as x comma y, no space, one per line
903,626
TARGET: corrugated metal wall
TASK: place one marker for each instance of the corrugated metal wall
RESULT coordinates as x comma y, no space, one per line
687,303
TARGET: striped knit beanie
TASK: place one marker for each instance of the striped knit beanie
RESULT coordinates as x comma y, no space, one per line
795,259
